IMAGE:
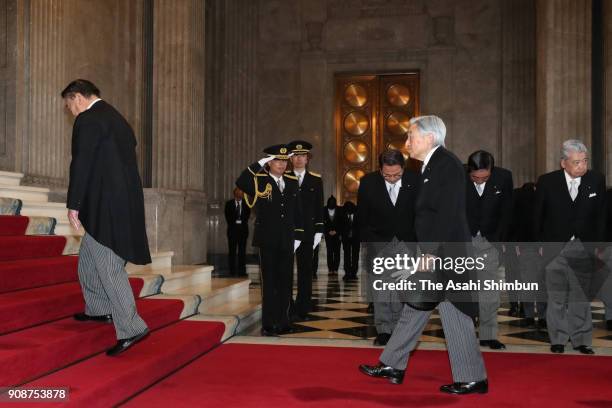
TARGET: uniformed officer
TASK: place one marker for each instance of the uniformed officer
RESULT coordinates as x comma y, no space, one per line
311,197
278,232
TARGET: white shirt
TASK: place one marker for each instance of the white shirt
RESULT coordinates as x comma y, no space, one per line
480,190
238,204
331,212
568,180
277,179
397,185
92,104
428,157
300,175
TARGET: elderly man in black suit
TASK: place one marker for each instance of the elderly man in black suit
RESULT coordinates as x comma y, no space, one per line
105,197
489,208
385,212
570,211
237,215
440,221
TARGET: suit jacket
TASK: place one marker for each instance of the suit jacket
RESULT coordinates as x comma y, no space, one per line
609,215
557,218
330,224
279,217
105,186
379,220
522,216
231,217
491,213
441,222
311,196
349,229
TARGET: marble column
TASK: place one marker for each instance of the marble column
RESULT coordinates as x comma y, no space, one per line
178,94
518,148
231,104
563,91
607,5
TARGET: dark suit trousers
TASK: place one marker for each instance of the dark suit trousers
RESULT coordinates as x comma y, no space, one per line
236,241
332,243
351,256
315,260
276,278
303,257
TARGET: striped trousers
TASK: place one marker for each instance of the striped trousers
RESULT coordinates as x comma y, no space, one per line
463,350
106,288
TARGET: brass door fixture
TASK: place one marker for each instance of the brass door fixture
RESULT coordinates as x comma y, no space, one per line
372,113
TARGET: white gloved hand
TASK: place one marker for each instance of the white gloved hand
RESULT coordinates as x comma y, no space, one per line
296,244
263,161
402,275
317,239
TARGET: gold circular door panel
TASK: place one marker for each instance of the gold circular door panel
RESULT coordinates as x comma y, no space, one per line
351,180
356,123
399,145
355,95
398,95
356,152
398,123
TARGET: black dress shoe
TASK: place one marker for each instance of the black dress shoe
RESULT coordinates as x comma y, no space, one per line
557,348
382,339
609,324
285,330
493,344
125,344
82,317
480,387
584,349
382,371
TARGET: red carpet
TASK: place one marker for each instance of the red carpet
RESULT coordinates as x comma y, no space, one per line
103,381
25,247
27,354
13,225
26,308
33,273
241,375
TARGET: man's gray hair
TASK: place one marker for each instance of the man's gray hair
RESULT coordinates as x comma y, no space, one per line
431,124
572,145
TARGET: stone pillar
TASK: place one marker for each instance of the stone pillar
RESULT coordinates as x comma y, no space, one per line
563,78
178,94
231,105
518,147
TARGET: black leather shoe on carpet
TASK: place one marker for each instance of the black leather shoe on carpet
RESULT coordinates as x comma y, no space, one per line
584,349
557,348
82,317
124,344
609,324
382,339
383,371
493,344
480,387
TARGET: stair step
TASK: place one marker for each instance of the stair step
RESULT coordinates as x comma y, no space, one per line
10,206
41,226
183,276
25,193
8,178
73,244
230,323
11,225
160,260
36,351
190,302
64,228
32,273
219,291
22,247
246,309
45,209
102,381
27,308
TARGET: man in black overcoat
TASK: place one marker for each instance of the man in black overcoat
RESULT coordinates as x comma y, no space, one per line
105,197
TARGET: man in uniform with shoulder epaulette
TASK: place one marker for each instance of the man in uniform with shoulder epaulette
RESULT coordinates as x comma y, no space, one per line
278,232
311,195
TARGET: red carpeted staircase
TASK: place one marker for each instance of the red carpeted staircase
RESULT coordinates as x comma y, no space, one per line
40,343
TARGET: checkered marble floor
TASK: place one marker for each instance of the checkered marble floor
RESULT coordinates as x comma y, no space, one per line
341,313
